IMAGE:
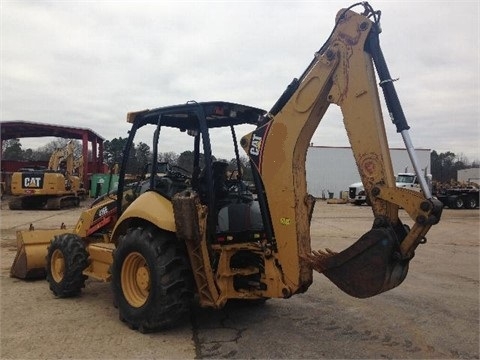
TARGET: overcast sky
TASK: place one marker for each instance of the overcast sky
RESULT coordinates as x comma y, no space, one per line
88,63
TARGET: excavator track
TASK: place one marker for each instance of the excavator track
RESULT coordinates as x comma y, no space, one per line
43,202
27,203
62,202
15,204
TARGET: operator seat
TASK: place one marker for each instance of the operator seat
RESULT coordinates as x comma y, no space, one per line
219,174
219,177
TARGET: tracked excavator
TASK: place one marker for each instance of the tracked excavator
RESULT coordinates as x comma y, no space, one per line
164,239
55,188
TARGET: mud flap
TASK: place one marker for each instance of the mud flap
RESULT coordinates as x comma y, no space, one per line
369,267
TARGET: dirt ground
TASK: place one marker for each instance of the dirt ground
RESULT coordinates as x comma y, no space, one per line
433,314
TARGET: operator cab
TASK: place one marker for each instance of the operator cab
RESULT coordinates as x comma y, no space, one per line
233,211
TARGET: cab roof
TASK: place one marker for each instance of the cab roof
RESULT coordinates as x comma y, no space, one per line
186,116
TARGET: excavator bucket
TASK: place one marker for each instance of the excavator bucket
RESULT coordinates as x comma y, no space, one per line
32,247
369,267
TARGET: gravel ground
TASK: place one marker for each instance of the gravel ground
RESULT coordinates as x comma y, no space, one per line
433,314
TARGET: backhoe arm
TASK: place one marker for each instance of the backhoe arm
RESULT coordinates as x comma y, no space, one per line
341,73
62,154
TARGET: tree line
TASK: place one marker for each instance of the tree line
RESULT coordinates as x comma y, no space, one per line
140,155
444,166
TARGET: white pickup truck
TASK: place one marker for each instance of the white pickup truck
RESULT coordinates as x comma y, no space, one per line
357,195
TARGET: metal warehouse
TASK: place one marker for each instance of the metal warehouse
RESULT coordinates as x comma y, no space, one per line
333,169
469,175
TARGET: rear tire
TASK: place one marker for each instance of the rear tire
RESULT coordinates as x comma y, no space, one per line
471,202
458,203
151,279
67,257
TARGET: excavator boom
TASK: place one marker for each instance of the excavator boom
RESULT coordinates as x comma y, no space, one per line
341,73
59,155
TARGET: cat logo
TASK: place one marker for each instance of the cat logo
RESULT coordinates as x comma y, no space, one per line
32,181
255,145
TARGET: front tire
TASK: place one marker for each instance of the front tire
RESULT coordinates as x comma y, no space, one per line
151,279
67,257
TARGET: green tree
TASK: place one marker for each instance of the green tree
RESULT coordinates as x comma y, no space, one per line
12,150
113,150
445,166
244,166
44,152
185,160
143,155
29,155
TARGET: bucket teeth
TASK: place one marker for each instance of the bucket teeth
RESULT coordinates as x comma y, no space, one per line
317,259
366,268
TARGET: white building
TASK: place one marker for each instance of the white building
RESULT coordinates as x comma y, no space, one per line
333,169
469,175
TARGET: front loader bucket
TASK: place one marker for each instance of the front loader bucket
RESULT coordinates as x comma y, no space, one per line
32,247
369,267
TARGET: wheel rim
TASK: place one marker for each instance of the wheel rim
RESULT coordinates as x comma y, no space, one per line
57,266
135,279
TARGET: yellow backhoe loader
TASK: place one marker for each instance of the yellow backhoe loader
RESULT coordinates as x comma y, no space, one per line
54,188
163,239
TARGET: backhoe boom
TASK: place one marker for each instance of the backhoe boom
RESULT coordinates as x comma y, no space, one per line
341,73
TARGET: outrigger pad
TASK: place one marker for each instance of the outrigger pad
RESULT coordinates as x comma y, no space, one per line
370,266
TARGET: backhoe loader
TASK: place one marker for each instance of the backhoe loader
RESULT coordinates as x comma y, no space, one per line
180,233
52,189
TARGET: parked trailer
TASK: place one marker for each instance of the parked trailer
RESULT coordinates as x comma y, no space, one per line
459,198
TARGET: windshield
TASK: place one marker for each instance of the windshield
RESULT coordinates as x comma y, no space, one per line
406,179
176,151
